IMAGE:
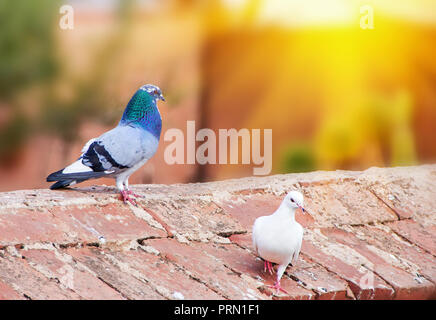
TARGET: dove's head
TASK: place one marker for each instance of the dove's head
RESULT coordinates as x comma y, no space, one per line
153,91
295,200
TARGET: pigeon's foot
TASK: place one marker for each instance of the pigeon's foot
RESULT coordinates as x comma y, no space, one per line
278,288
268,265
125,196
131,193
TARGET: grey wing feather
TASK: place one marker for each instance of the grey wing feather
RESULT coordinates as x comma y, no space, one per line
129,145
119,149
110,154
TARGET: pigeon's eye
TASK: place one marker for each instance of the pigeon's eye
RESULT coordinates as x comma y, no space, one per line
292,200
155,91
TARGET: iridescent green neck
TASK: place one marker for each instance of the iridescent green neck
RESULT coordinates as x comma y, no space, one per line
142,111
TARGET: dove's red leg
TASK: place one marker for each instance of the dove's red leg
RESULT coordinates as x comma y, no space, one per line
280,270
278,287
268,265
271,269
125,195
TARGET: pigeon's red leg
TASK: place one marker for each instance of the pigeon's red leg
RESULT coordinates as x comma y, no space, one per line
126,198
131,193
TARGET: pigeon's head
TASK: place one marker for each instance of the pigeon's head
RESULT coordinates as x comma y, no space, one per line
153,91
295,200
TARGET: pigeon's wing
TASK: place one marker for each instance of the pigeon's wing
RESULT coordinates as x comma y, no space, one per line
76,172
120,148
113,152
96,161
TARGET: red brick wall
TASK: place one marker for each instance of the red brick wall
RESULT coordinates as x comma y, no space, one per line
377,225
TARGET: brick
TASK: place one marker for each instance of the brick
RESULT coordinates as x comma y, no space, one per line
423,237
194,218
377,225
165,276
42,198
243,240
345,203
350,273
207,268
70,275
408,191
362,205
125,283
326,284
16,273
113,221
7,293
403,282
415,261
23,226
66,225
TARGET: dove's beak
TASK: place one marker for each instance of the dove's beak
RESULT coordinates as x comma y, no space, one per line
302,209
161,98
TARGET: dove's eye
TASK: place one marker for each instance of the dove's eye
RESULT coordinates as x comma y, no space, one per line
292,200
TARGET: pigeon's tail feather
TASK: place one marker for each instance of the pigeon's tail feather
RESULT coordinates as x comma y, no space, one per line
77,171
64,183
55,176
82,176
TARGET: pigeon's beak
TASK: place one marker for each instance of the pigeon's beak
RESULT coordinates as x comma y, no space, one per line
302,209
161,98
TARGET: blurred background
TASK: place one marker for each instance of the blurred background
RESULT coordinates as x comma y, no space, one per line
336,96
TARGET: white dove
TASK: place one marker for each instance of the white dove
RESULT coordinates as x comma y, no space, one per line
277,238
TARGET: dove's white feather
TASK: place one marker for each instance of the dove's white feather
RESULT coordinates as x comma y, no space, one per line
277,238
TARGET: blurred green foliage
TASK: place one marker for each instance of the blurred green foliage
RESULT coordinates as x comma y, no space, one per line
27,56
381,125
12,136
26,44
297,157
62,117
